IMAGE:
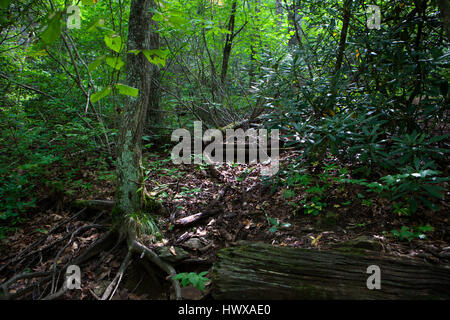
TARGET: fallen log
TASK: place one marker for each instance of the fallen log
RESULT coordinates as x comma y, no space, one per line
262,271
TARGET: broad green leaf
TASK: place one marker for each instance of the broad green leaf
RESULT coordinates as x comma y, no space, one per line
5,3
114,42
127,90
99,23
53,28
156,56
94,65
101,94
115,62
176,20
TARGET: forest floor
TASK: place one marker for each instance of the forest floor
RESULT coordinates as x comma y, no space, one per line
237,205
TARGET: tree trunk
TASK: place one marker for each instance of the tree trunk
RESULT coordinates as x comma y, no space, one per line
340,57
444,8
343,38
129,152
154,115
261,271
255,31
293,18
228,43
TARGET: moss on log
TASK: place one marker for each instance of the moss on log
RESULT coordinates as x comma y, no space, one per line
261,271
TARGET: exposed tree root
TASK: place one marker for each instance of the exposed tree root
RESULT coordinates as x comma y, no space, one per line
44,285
139,248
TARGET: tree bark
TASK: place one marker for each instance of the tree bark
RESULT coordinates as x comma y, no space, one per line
340,57
133,116
261,271
444,8
154,115
343,38
228,43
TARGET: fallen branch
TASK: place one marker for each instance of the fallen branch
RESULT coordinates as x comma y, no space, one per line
211,209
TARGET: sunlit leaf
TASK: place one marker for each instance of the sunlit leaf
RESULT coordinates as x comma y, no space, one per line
101,94
127,90
115,62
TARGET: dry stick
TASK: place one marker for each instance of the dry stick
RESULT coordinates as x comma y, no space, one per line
80,85
91,82
61,65
211,208
27,87
141,249
117,279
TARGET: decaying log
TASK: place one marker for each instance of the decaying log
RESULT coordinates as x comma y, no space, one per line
261,271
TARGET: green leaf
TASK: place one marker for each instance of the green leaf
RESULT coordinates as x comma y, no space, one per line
94,65
101,94
114,42
434,191
115,62
136,52
156,56
52,29
176,20
99,23
127,90
272,221
87,2
5,3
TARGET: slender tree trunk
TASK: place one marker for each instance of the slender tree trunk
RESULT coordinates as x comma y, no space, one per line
340,57
343,38
252,66
228,43
279,12
293,18
154,115
444,8
129,154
